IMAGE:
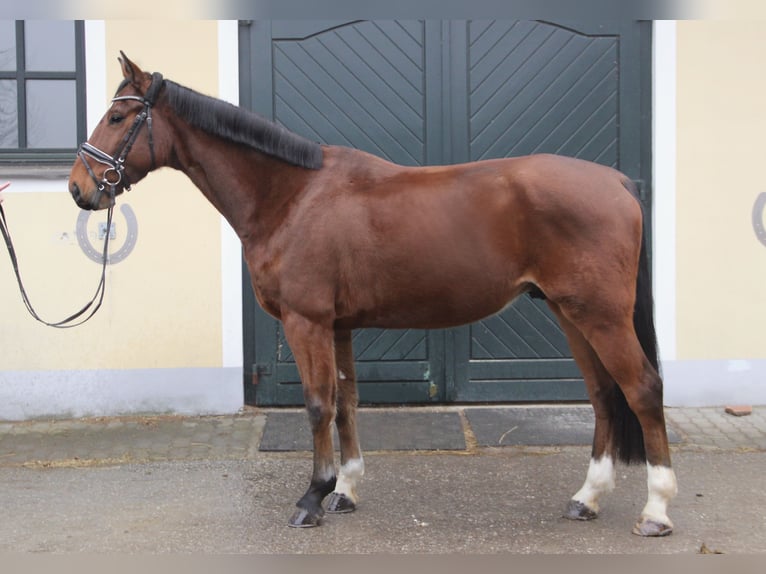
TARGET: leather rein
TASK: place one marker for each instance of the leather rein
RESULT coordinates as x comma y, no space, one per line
92,305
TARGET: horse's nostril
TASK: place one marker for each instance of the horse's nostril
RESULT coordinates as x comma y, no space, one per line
74,189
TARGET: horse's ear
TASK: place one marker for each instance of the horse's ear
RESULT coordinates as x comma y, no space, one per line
130,71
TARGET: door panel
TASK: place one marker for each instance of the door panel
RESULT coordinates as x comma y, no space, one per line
534,87
357,84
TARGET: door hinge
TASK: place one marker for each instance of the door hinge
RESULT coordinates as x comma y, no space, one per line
260,370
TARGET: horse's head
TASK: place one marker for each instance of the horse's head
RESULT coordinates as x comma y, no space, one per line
123,148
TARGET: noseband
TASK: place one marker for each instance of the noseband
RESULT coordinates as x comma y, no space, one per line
115,174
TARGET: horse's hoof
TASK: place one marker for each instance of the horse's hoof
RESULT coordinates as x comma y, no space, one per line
302,518
649,527
339,503
576,510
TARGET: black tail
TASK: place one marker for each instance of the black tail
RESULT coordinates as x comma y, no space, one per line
643,313
627,434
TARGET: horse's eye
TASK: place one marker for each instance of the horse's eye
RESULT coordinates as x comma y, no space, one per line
115,119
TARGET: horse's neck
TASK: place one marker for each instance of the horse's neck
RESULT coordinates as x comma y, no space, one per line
250,189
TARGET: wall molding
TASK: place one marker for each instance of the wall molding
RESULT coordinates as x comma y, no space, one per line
26,395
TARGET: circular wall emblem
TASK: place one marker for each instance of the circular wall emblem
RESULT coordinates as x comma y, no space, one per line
758,213
131,236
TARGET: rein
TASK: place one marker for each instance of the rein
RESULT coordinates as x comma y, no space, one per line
115,172
93,305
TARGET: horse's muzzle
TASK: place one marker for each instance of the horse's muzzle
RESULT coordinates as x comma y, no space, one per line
81,202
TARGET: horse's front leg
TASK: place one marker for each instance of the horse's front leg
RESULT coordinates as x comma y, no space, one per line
344,498
312,346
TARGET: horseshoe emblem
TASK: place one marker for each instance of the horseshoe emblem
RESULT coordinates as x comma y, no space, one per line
131,224
758,212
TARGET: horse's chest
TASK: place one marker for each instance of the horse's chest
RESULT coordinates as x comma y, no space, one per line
268,304
264,276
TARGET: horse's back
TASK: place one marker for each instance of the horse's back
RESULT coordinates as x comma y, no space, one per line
543,177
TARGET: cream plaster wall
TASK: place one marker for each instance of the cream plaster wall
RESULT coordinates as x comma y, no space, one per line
163,302
721,122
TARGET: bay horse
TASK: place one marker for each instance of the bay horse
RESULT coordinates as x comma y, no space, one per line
337,239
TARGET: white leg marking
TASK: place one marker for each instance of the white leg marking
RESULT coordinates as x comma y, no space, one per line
349,476
662,485
600,479
341,375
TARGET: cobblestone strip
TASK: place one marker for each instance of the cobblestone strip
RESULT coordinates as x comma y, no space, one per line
139,439
134,439
713,428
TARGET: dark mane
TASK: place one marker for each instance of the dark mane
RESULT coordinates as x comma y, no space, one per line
236,124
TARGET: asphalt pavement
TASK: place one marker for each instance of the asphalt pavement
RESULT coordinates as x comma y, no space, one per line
188,485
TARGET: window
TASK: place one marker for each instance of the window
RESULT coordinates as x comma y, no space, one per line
42,91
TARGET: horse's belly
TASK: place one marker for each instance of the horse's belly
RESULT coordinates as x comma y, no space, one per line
431,302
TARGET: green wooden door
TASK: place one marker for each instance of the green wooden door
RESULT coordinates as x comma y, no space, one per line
533,87
439,92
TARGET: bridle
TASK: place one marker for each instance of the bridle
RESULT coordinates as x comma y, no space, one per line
115,174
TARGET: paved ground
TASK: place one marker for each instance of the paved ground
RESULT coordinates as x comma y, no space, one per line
201,484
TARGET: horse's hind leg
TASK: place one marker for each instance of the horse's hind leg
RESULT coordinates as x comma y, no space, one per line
641,385
599,480
344,498
613,338
312,346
